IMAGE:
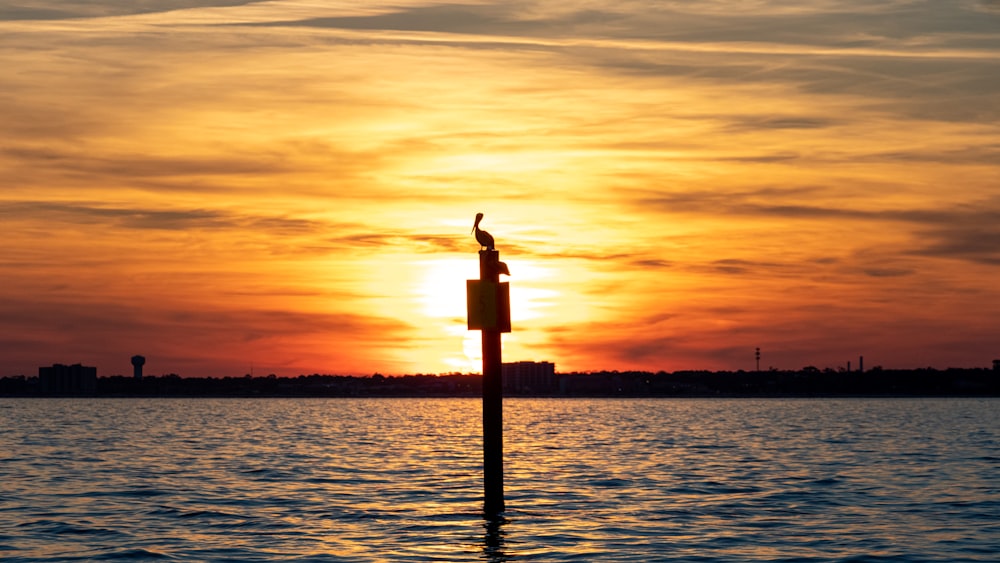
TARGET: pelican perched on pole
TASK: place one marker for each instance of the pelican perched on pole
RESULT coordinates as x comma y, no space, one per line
482,237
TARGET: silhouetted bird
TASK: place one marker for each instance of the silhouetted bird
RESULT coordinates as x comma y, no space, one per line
502,268
482,237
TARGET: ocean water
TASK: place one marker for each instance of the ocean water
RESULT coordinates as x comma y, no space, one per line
586,480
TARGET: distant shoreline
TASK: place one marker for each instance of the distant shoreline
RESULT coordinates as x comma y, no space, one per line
807,383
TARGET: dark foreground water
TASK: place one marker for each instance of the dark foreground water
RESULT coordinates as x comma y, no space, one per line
587,480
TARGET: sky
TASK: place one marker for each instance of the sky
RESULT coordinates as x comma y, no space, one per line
288,187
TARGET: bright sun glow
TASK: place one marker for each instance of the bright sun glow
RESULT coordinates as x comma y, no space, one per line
442,298
442,292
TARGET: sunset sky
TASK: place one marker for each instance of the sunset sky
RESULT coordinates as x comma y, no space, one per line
289,186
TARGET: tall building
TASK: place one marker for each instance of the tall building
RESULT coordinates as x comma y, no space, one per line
67,380
530,377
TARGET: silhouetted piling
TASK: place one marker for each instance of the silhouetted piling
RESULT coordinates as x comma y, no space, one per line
489,261
489,311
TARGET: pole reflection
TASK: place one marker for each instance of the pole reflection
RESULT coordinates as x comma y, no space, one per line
494,542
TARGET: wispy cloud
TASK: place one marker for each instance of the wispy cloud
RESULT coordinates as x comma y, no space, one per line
964,242
142,218
75,9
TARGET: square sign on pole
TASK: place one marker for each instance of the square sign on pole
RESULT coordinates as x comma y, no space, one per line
488,305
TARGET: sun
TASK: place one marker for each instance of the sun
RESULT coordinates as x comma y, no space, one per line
441,292
441,301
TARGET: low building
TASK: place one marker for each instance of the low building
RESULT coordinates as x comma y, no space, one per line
530,377
60,379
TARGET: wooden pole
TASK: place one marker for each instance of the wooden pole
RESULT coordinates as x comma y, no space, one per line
492,399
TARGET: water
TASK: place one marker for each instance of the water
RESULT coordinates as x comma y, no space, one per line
586,480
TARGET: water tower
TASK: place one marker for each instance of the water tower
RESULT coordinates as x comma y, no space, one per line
137,363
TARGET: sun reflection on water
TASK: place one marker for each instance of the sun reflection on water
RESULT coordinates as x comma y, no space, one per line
586,480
